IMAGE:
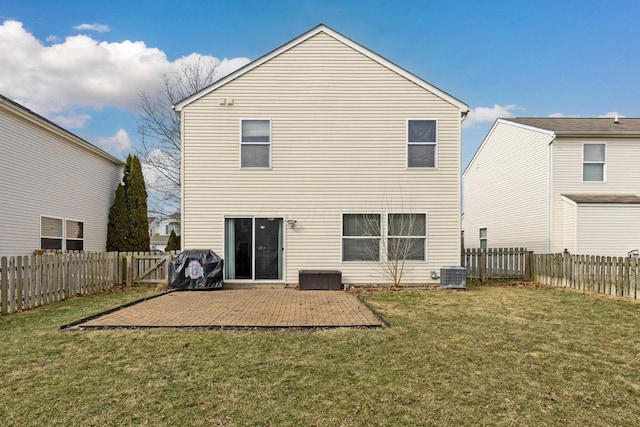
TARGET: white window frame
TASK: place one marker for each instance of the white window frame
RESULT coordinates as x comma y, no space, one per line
434,143
485,238
380,236
75,238
603,162
269,143
424,237
63,238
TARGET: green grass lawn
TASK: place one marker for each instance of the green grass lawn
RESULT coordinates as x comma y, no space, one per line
492,356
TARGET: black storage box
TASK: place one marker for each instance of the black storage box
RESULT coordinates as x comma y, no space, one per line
330,280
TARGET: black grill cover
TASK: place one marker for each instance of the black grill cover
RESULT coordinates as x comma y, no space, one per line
196,269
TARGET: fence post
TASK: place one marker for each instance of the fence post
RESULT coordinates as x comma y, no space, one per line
483,265
129,265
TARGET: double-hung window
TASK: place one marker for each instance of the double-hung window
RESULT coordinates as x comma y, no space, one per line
74,231
51,233
422,141
483,238
255,143
406,236
361,237
593,162
61,234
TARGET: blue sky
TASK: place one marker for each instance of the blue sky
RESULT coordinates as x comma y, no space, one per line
83,63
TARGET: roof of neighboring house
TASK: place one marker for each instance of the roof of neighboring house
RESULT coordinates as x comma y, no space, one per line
582,126
26,113
316,30
151,219
626,199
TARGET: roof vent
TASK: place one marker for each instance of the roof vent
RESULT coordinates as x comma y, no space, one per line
615,119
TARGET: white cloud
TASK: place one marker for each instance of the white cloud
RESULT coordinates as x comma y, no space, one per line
100,28
116,144
481,115
611,114
67,80
52,39
557,115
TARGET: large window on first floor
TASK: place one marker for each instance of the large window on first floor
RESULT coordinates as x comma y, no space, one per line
407,236
361,237
253,248
61,234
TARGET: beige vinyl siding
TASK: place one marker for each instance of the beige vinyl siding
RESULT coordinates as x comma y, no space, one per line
44,174
622,176
506,189
338,146
608,230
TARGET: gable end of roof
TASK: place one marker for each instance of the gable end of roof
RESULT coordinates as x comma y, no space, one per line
464,109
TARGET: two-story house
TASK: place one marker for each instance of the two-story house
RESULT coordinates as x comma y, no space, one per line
57,188
160,229
555,184
299,160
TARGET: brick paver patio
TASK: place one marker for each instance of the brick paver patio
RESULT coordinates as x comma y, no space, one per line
243,308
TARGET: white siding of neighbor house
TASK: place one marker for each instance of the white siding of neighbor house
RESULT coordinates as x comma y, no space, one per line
506,189
339,130
621,177
44,174
608,230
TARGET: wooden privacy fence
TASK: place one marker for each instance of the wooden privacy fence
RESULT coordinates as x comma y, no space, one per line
496,263
618,276
35,280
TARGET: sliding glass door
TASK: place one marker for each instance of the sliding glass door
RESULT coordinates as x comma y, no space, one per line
253,248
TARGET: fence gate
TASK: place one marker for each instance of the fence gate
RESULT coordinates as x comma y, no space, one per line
146,269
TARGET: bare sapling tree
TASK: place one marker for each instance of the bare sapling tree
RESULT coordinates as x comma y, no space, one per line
395,237
159,128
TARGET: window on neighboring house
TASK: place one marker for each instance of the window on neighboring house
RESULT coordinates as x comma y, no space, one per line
422,141
361,237
50,233
593,162
255,144
406,237
173,226
483,238
74,235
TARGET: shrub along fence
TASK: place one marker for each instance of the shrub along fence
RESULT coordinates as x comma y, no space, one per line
35,280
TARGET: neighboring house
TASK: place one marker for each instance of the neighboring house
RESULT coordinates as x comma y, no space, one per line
285,159
56,187
160,229
555,184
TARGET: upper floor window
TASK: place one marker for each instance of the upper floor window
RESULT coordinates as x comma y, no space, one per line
422,140
255,144
593,162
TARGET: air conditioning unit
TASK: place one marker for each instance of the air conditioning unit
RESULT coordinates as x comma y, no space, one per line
453,277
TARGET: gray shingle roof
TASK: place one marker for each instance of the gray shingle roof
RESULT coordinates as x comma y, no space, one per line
627,199
572,125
